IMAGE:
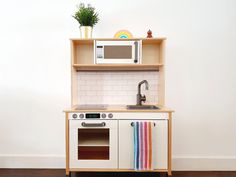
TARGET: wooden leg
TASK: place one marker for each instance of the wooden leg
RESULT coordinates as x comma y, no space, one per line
68,173
169,173
169,144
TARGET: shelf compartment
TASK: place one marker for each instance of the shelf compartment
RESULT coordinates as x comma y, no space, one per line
117,67
151,54
93,152
83,53
93,137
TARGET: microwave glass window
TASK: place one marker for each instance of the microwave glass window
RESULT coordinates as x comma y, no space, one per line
117,52
93,144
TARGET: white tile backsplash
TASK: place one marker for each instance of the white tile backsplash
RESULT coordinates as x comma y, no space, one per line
115,87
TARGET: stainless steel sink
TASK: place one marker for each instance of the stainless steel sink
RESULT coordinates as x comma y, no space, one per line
142,107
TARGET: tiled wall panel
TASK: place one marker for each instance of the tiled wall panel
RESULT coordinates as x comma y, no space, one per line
115,87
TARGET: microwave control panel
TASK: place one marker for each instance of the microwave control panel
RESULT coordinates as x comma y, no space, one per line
99,52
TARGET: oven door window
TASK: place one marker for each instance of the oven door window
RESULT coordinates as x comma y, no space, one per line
117,52
93,144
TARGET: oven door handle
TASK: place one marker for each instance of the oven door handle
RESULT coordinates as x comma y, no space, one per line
102,124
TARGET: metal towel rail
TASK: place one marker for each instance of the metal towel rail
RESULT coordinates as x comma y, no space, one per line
132,124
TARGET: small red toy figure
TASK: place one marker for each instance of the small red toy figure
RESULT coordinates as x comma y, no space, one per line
149,34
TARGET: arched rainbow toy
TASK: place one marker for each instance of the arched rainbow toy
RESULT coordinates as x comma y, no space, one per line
124,34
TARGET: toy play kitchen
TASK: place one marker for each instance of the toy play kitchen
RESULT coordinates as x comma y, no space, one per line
117,121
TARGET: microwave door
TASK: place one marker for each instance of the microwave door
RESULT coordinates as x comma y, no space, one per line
123,52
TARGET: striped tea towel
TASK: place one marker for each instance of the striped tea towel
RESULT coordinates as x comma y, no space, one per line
143,145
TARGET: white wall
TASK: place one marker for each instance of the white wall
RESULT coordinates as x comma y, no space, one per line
200,77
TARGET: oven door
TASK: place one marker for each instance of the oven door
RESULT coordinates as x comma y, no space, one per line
120,52
93,144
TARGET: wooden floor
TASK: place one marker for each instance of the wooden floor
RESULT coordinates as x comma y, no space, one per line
61,173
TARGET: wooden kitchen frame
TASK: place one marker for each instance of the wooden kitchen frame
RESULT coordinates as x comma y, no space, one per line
153,59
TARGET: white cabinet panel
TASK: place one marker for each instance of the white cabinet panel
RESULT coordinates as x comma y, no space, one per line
160,144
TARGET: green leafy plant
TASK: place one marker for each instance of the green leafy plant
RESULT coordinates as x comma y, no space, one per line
86,16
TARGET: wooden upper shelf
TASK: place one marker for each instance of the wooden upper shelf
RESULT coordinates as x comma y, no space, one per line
144,40
117,67
152,55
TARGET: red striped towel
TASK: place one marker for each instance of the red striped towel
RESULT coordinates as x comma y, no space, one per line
143,145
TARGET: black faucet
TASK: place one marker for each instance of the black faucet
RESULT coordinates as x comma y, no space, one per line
141,97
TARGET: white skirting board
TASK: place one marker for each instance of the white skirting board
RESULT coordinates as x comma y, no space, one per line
180,163
204,163
31,161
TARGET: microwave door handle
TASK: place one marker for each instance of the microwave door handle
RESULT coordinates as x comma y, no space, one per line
136,52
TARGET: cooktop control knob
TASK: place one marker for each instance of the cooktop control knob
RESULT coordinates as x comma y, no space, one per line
103,115
81,116
74,116
110,115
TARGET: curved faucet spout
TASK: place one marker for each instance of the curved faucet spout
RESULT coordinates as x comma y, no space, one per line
141,98
140,83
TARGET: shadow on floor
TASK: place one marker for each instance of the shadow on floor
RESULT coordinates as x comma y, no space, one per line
118,174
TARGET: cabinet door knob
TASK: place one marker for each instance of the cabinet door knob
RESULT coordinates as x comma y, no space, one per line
74,116
103,115
110,115
81,116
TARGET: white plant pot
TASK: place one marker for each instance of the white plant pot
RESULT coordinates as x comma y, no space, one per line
86,32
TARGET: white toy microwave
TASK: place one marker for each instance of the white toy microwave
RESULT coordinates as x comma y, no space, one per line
117,52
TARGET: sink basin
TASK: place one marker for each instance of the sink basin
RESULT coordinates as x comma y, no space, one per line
142,107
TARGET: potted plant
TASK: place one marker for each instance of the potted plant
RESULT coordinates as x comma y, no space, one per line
87,18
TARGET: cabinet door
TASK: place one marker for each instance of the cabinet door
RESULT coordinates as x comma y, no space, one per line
160,144
92,145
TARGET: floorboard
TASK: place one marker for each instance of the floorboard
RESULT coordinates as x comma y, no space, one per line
61,173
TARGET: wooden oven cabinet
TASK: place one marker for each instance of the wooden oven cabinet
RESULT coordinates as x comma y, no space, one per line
121,142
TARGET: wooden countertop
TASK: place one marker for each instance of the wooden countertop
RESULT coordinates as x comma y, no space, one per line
118,108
